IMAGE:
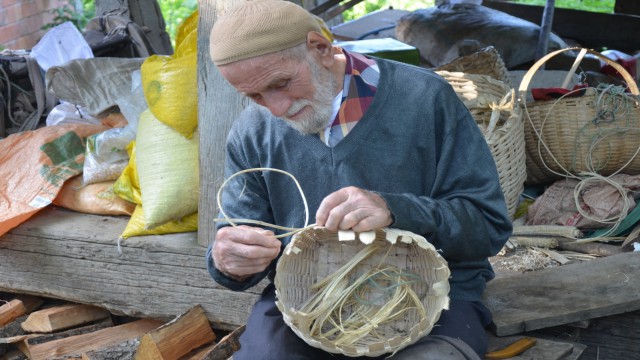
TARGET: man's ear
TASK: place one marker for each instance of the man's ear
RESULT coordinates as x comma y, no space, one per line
322,46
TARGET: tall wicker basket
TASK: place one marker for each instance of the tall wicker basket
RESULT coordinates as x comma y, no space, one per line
492,104
316,254
597,132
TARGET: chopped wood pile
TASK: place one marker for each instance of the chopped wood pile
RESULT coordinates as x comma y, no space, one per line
46,329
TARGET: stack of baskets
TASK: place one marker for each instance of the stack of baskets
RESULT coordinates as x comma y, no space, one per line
338,290
492,104
597,132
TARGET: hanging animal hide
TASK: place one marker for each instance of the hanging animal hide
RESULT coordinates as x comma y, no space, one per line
443,33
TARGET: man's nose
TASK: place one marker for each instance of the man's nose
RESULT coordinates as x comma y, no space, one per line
278,104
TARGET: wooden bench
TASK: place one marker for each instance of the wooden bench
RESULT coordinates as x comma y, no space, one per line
72,256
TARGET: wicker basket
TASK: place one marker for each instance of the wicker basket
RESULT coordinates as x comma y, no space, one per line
487,61
316,254
567,137
493,106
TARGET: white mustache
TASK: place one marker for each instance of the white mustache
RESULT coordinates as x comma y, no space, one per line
297,106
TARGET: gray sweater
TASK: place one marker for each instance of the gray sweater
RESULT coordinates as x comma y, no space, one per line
417,146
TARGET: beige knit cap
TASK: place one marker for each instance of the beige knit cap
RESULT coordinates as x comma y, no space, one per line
259,27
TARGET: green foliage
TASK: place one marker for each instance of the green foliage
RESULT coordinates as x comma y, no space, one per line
175,12
64,14
79,17
602,6
368,6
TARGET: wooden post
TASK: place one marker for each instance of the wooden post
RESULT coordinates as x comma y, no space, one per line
218,106
545,29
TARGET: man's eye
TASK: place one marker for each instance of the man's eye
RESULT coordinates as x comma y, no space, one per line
281,85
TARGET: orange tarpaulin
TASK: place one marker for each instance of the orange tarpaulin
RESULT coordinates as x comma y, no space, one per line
35,164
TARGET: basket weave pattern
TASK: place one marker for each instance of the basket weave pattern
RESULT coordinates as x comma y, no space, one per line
316,253
598,132
485,98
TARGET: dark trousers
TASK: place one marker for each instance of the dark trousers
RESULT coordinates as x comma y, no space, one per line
458,334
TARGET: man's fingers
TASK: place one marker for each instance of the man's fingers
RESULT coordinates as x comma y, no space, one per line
248,235
329,204
355,209
244,250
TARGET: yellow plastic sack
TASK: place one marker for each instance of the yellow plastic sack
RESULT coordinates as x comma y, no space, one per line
167,167
97,198
35,164
127,186
184,42
170,83
137,227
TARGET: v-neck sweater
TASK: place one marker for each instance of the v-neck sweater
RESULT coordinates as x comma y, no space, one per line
417,146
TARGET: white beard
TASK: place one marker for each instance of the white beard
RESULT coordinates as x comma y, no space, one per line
317,119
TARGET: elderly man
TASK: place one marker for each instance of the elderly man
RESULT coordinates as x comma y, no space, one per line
373,143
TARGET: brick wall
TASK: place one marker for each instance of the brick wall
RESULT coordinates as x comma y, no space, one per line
21,21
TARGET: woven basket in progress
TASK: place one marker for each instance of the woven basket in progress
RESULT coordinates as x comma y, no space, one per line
316,254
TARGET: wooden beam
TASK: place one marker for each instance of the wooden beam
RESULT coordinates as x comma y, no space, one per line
63,317
179,337
157,276
564,294
218,106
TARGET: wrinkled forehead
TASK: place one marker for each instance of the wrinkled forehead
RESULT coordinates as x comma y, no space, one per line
258,73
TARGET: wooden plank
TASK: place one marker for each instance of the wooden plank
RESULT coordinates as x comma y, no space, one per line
11,310
63,317
153,277
175,339
76,345
564,294
218,106
591,30
609,337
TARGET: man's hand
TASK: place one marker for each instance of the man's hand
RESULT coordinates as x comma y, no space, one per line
242,251
352,208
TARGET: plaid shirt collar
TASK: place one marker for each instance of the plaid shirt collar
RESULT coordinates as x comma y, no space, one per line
360,84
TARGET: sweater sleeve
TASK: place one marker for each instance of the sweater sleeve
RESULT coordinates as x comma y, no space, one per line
244,197
465,214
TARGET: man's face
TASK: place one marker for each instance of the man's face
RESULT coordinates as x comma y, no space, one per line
300,92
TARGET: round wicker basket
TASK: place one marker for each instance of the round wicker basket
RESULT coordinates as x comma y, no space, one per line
492,104
316,254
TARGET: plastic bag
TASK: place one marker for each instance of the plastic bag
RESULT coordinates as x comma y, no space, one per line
170,82
66,113
167,166
59,45
99,198
34,165
128,187
106,155
137,226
